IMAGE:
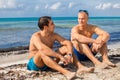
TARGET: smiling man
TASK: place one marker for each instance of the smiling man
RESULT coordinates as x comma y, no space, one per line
85,47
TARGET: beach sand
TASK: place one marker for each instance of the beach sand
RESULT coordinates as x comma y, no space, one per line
13,67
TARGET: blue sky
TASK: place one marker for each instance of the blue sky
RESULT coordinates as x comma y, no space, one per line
58,8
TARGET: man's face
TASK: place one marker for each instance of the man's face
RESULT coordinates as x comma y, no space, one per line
82,18
51,26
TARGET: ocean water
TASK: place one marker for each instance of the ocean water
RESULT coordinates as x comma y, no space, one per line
17,31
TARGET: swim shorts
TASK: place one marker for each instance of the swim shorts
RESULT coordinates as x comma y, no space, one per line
32,66
82,57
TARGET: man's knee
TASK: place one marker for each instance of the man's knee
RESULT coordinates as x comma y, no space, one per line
62,50
84,47
40,55
76,45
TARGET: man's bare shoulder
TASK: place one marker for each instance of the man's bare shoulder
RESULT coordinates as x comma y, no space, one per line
92,26
75,28
35,35
56,35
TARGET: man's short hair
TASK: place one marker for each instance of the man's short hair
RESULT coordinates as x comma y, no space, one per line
85,11
43,21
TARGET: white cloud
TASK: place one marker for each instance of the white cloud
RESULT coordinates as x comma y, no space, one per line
55,6
98,6
103,6
46,6
116,6
70,5
7,4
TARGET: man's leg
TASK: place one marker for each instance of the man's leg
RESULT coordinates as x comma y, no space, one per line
41,60
83,48
103,50
81,68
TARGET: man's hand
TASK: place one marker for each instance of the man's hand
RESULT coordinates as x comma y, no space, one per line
64,60
94,47
97,45
98,41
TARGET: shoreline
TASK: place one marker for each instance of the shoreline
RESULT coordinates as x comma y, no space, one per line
13,66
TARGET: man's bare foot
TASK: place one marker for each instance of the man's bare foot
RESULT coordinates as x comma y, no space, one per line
102,66
85,70
110,64
70,75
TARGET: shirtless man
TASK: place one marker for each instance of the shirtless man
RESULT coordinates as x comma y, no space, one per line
85,46
42,56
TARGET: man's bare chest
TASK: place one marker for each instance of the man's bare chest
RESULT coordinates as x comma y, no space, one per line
48,41
86,33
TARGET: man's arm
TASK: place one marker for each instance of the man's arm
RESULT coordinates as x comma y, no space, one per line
64,42
102,35
43,48
81,38
68,45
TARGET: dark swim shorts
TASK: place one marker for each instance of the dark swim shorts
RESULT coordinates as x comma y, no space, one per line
82,57
32,66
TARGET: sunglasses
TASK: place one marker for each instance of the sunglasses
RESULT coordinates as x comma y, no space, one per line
84,11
